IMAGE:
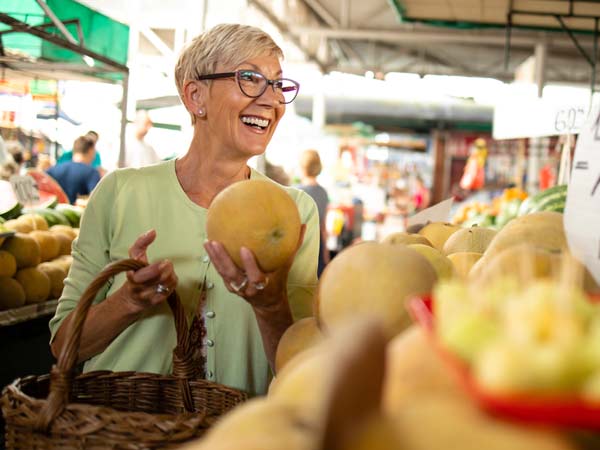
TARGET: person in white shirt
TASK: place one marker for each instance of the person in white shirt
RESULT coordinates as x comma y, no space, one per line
138,152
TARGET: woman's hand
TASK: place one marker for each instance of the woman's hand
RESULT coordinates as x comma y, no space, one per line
261,290
149,285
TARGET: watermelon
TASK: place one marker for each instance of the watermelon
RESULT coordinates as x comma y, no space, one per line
10,208
542,200
71,212
48,187
51,216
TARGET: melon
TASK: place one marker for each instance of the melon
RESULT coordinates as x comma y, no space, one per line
57,276
260,424
49,244
373,278
542,229
12,294
35,283
438,233
401,237
258,215
463,262
473,239
442,265
24,248
300,336
8,264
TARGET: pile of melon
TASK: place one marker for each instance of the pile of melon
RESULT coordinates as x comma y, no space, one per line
35,262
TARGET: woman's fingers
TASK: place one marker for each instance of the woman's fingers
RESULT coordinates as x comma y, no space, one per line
139,247
257,280
234,278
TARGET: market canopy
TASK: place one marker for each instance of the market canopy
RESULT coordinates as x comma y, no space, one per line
61,39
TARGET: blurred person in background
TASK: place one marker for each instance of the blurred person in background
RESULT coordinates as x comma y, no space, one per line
96,163
310,167
77,177
230,81
421,196
138,152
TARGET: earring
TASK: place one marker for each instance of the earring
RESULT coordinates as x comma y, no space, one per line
201,112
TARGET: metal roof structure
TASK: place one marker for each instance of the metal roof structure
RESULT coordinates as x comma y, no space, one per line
452,37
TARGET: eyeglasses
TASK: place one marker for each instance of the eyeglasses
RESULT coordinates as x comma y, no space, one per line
254,84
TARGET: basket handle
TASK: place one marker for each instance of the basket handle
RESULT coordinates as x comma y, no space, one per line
62,372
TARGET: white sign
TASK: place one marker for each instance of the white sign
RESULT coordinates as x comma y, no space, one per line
440,212
537,118
582,211
25,189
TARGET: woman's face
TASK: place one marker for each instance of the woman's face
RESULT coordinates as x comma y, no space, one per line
229,112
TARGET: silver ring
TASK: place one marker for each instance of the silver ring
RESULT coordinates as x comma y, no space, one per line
162,289
239,287
261,284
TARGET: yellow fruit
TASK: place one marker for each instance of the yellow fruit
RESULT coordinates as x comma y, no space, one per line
36,221
421,390
302,335
441,264
8,264
57,276
64,242
35,283
260,424
463,262
20,226
373,278
304,382
64,262
523,262
24,248
438,233
12,294
258,215
402,237
377,433
49,244
474,239
65,229
543,229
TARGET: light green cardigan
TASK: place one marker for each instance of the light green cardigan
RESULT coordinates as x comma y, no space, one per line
128,202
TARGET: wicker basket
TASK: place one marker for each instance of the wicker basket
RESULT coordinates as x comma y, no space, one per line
116,410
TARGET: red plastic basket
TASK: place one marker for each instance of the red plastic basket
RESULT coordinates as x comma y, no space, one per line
572,412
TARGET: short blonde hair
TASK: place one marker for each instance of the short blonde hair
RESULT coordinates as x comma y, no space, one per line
228,44
310,163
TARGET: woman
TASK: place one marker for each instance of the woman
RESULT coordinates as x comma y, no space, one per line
310,166
229,80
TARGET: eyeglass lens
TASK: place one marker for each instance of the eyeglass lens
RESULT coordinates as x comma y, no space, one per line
254,84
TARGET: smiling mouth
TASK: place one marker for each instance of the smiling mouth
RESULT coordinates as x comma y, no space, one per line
257,123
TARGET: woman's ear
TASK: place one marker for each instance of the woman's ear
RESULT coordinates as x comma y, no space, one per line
194,97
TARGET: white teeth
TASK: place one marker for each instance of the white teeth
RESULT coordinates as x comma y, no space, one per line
255,121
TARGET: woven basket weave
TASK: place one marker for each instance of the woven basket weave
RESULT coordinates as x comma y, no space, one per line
113,410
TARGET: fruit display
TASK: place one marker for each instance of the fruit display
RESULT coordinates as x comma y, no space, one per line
258,215
511,204
35,259
540,338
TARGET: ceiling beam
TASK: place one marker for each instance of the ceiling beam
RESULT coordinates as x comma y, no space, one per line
323,13
285,31
428,37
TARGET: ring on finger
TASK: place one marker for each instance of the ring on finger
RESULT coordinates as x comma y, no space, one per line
259,286
162,289
238,287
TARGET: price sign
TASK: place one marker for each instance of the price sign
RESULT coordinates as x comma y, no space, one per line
537,118
582,211
25,189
